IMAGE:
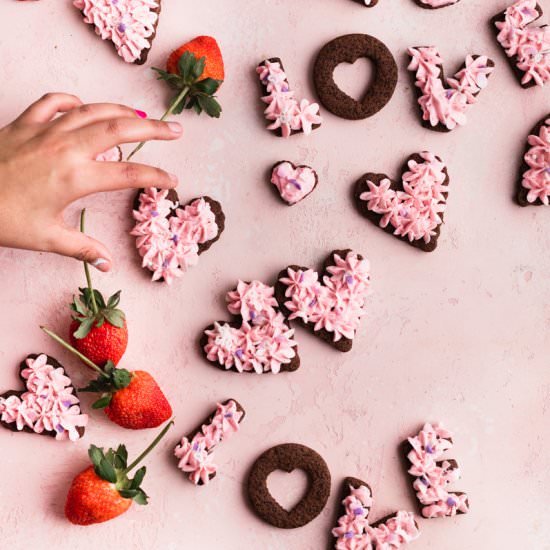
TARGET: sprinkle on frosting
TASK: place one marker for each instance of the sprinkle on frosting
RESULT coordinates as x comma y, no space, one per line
48,405
168,236
447,105
433,475
336,304
284,111
129,24
415,212
195,456
264,341
529,46
355,533
537,178
293,182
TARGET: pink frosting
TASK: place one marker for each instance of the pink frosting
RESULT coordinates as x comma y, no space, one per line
337,303
537,178
129,24
447,105
529,45
292,183
112,155
415,212
283,110
195,456
169,245
438,3
263,342
434,474
48,405
355,533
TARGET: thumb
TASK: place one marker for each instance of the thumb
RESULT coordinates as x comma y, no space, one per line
72,243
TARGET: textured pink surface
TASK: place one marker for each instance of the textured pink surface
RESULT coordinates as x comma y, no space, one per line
459,335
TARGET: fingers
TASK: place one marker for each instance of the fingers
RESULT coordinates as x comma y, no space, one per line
72,243
94,112
113,176
100,136
47,107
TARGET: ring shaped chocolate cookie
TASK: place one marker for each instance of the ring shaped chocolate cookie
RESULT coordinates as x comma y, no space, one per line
348,49
288,457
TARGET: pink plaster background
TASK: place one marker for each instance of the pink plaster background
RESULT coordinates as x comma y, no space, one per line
460,335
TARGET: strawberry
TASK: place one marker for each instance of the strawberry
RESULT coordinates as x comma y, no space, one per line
104,491
195,71
98,330
131,399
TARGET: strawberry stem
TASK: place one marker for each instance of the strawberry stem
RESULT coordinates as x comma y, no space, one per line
68,346
86,268
150,448
170,110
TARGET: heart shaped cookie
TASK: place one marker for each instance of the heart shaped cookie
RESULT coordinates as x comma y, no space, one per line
527,47
130,25
354,529
329,304
534,181
413,209
171,237
258,340
47,406
293,183
444,108
348,49
195,450
289,457
433,474
286,114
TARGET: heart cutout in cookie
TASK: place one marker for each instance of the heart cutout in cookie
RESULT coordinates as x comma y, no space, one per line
412,209
331,303
130,25
289,457
195,451
170,237
354,530
534,180
287,488
293,183
355,78
47,406
259,339
348,49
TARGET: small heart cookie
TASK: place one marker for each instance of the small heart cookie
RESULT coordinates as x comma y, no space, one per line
171,237
195,451
259,340
534,181
355,531
413,209
130,25
47,406
331,303
294,183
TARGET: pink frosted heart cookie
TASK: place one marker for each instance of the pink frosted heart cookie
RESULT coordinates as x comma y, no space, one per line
47,406
287,115
170,237
412,209
294,183
355,530
195,450
433,474
527,47
443,102
130,25
258,340
330,303
534,181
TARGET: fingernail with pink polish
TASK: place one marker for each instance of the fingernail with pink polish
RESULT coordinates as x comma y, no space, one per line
101,264
175,127
141,114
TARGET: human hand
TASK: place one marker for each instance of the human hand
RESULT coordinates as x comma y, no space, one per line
48,161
